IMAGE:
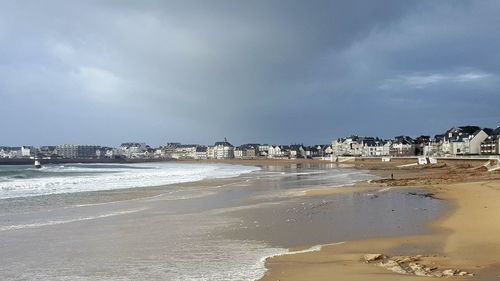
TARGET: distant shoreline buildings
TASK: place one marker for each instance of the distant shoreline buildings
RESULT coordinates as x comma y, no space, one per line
457,141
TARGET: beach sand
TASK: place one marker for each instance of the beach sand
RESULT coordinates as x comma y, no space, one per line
466,238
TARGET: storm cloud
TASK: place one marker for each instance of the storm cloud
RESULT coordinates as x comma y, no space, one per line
107,72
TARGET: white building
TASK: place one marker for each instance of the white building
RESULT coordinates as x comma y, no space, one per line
10,152
274,151
184,152
430,149
210,152
263,150
223,150
133,149
459,146
73,151
238,152
328,150
457,141
26,151
247,151
201,152
350,146
403,146
375,147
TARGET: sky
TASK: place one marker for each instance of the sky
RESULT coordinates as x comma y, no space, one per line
106,72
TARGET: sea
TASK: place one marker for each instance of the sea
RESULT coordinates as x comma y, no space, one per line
186,221
26,180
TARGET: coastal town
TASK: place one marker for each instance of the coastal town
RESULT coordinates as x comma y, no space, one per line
250,140
470,141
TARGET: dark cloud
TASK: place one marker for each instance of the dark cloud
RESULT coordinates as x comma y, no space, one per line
260,71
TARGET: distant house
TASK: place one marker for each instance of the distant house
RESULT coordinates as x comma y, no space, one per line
251,151
327,150
282,151
274,151
75,151
435,146
464,140
454,141
176,150
375,147
201,152
316,151
223,150
264,150
402,146
312,151
238,152
184,151
10,152
359,146
491,145
350,146
298,151
133,149
27,151
47,151
211,152
285,151
247,151
169,149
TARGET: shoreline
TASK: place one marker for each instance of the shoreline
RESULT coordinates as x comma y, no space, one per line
457,233
220,224
321,251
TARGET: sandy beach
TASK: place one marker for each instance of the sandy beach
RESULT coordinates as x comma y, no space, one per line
464,241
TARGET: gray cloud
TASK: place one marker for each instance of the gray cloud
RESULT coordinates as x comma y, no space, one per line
266,71
424,80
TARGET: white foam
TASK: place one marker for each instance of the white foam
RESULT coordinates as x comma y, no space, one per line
315,248
78,178
284,252
56,222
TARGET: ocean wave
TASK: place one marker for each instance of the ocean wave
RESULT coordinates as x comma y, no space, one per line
81,178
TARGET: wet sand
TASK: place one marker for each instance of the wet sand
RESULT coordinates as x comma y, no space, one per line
465,238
